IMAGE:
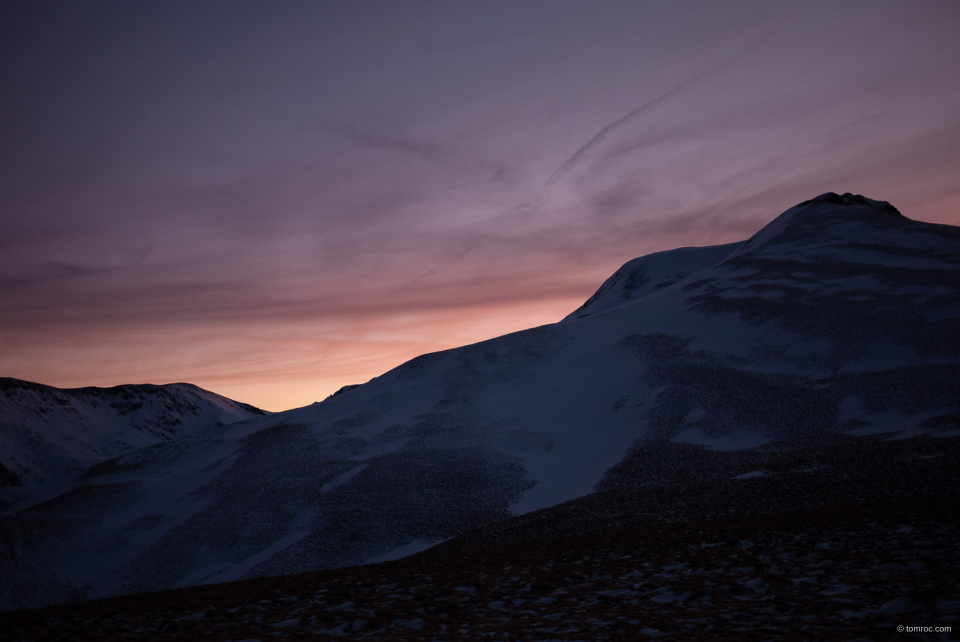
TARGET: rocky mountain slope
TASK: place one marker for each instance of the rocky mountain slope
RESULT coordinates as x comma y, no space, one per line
841,317
849,541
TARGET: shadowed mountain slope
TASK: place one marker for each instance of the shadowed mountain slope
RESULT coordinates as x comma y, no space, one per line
839,318
844,542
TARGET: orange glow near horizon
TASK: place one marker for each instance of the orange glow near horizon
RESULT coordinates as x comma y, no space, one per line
276,201
279,366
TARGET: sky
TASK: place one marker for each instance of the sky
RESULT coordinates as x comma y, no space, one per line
272,200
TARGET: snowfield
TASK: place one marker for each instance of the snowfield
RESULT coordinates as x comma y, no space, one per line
839,317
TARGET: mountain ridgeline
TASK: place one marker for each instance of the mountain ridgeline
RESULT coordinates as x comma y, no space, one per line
838,320
47,433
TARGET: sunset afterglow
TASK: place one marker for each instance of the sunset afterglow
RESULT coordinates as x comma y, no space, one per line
273,200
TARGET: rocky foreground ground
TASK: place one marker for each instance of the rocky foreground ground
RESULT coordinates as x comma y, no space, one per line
837,539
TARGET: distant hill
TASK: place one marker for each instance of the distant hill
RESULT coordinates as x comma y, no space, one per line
49,433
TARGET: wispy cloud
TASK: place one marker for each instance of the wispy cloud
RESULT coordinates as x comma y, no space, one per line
429,150
278,192
649,106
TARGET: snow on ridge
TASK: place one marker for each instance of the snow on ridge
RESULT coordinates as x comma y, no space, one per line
650,273
803,224
811,220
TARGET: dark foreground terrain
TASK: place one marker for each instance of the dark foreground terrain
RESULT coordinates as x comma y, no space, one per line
835,538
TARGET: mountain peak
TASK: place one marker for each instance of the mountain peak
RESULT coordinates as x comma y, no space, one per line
827,203
811,221
846,199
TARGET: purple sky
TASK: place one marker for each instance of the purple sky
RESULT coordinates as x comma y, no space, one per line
272,200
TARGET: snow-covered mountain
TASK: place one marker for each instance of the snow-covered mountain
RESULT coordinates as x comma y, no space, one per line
840,316
47,433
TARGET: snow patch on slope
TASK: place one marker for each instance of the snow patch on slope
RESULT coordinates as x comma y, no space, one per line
732,441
